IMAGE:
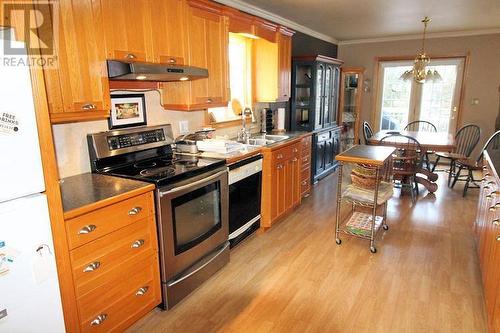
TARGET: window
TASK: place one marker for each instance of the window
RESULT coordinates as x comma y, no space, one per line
400,102
240,78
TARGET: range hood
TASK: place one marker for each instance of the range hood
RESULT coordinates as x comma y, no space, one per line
145,71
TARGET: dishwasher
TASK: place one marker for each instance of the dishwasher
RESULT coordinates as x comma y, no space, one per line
245,187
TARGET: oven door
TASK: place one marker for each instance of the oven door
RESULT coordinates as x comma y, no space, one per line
193,220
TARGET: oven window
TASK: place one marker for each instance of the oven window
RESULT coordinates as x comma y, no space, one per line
196,216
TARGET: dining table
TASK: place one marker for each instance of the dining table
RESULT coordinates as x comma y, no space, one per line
429,141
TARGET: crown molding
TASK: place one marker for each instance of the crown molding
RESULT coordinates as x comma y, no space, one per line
254,10
419,36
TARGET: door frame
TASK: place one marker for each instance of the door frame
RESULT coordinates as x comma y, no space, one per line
376,92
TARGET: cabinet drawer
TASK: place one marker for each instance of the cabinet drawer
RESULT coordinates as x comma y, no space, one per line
305,174
99,260
88,227
305,161
285,153
305,186
324,136
305,143
115,305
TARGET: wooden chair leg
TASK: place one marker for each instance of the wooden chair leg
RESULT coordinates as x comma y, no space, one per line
435,164
457,175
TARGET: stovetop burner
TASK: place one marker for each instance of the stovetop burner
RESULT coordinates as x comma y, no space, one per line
160,171
145,164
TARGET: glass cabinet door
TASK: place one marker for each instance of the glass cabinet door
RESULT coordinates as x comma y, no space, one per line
320,76
350,106
327,96
302,97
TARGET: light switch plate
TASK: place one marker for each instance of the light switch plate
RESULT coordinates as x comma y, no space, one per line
183,127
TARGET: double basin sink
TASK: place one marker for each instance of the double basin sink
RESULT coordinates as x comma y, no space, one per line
265,139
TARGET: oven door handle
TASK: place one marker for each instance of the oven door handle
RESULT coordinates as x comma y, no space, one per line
193,184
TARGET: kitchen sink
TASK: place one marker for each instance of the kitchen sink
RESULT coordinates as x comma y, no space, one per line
259,142
276,137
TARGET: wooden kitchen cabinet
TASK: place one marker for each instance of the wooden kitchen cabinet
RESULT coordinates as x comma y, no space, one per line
106,244
207,40
281,185
127,29
305,166
284,40
77,86
487,231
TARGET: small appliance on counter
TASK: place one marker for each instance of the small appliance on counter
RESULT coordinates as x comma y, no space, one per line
191,196
186,143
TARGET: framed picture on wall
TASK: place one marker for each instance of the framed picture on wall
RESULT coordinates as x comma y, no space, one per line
127,110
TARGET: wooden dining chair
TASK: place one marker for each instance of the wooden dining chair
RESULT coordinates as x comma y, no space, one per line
466,140
470,165
367,132
406,161
422,126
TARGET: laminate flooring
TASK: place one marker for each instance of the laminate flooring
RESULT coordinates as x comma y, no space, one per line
294,278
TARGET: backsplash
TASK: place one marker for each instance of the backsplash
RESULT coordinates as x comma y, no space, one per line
71,139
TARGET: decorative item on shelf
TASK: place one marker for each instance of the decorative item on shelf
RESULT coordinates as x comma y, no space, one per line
127,110
422,60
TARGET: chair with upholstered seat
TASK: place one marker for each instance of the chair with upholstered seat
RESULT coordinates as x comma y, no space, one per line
470,165
367,132
422,126
466,140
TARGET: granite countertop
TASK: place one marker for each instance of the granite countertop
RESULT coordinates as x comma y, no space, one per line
89,191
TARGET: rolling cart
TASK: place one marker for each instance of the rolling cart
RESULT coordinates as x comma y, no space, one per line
368,204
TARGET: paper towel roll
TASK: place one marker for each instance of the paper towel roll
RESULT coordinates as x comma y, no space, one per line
281,119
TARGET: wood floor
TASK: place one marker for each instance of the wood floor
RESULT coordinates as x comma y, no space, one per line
294,278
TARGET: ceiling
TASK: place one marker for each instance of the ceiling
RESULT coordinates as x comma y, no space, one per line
362,19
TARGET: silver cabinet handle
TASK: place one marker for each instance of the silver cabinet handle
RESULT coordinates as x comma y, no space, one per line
280,156
496,222
295,150
142,291
280,166
138,243
92,267
304,182
130,56
209,100
494,207
135,211
87,229
88,106
498,238
99,319
294,159
172,61
194,184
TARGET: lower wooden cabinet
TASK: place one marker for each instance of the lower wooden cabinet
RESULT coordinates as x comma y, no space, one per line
117,241
305,166
326,145
283,185
487,230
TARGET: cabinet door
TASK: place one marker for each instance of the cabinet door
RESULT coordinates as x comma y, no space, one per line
296,180
327,100
319,165
319,96
334,95
168,31
77,89
284,66
329,153
279,190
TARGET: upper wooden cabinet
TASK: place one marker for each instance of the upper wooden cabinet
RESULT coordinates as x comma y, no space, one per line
127,29
273,67
207,40
77,88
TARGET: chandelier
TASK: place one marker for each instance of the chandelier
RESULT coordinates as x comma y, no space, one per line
418,72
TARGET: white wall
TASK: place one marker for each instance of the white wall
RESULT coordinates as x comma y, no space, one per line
71,139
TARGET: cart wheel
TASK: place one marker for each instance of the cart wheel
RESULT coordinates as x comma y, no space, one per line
373,249
385,226
338,241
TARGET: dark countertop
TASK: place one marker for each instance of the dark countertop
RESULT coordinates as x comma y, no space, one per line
89,191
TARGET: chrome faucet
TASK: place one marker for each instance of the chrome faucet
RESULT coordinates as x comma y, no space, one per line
244,133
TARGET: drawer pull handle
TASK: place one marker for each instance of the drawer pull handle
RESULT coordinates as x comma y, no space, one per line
88,106
209,100
496,222
294,159
138,243
99,319
295,150
130,56
280,166
87,229
280,156
304,182
92,267
172,61
142,291
135,211
498,238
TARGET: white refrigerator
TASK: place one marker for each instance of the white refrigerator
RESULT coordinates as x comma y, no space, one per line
30,300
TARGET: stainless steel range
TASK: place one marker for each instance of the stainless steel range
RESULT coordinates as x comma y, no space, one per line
191,202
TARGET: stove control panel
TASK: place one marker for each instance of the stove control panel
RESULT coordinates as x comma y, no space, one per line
135,139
